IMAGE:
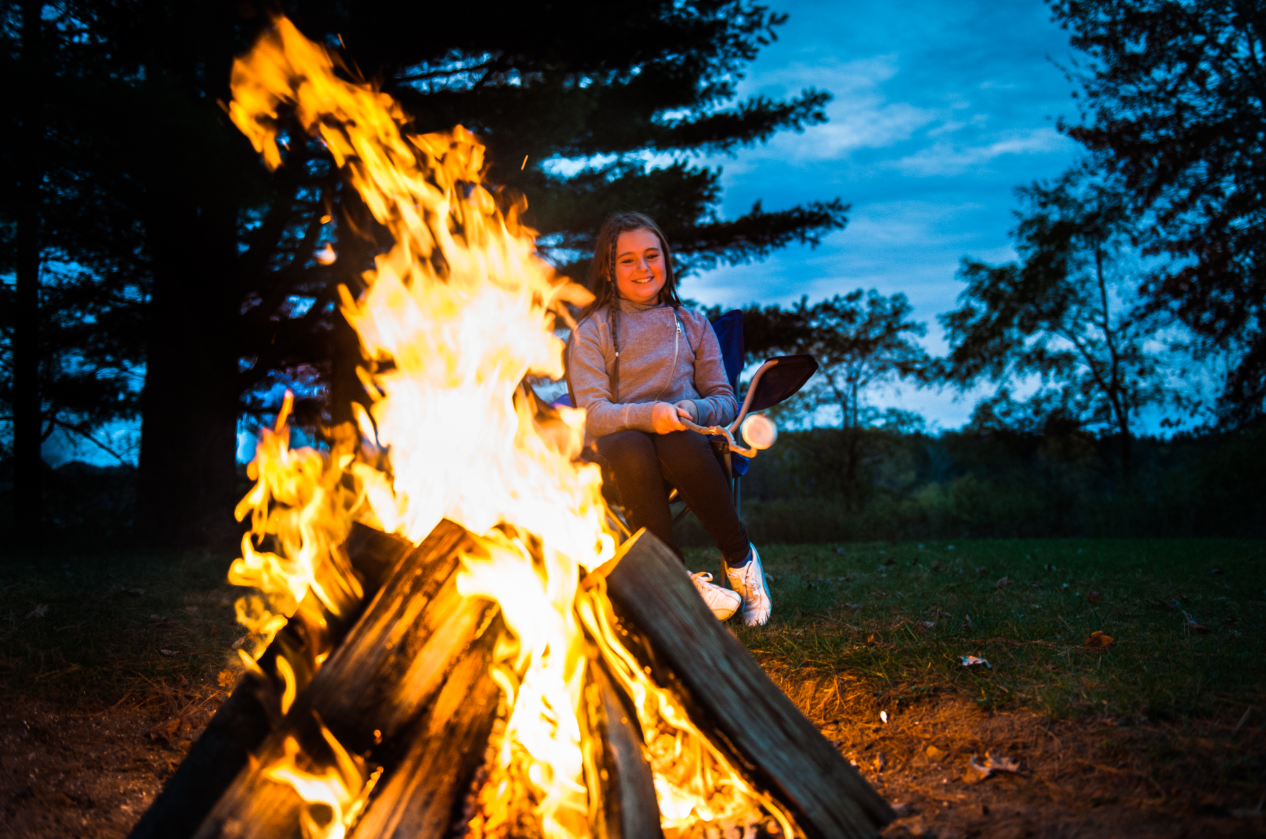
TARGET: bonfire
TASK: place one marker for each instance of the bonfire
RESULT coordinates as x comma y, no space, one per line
450,633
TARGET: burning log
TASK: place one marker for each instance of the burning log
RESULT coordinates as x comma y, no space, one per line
374,685
732,700
630,808
444,750
246,717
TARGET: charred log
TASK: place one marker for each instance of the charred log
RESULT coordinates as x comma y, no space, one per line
246,717
630,809
423,790
372,688
730,698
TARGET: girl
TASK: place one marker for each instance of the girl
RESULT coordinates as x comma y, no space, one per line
638,362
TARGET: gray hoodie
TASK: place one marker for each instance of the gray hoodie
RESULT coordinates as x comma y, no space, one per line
650,340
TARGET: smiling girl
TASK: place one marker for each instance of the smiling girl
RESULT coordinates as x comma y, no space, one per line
638,362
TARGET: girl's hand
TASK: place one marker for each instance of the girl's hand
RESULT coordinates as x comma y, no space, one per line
664,418
688,409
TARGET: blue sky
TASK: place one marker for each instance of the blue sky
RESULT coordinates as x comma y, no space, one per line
941,109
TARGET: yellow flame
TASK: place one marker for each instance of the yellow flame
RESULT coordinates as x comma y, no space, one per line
453,319
695,784
342,789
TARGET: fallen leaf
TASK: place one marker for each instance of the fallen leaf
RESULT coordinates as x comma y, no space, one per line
881,760
38,612
215,630
240,641
1035,585
973,660
1098,640
167,652
883,715
191,609
967,621
992,765
928,624
226,678
1003,583
934,753
1093,597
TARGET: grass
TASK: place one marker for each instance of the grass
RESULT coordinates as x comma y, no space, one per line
899,617
88,630
1185,618
882,625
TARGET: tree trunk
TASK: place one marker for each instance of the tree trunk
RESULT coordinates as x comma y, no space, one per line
28,465
189,408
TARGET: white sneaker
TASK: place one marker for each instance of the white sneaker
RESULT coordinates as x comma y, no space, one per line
749,582
723,602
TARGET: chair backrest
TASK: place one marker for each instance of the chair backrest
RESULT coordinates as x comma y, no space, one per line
729,330
782,378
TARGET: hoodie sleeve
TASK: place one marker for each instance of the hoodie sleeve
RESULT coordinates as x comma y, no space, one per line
587,356
717,405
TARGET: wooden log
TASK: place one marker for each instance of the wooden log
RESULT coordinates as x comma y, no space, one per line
630,808
373,686
423,790
246,717
730,698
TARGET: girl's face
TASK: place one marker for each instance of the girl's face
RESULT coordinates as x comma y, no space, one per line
639,266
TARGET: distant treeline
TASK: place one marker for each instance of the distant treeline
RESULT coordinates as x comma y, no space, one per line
999,484
960,484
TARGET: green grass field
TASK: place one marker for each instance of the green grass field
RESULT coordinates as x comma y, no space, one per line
1175,701
1185,618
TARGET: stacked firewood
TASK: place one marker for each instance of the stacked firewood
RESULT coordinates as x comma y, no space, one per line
407,689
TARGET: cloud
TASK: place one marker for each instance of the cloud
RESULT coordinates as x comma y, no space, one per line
860,115
946,158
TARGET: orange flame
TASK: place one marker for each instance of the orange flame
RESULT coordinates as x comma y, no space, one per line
342,789
463,309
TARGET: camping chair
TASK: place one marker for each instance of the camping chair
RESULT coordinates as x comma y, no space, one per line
773,382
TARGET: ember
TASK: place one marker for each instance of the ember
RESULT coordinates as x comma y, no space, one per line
512,674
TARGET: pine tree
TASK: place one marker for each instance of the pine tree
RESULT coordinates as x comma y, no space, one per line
239,301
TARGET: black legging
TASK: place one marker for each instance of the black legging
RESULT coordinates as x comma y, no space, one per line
640,462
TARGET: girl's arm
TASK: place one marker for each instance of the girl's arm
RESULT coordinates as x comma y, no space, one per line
591,385
718,406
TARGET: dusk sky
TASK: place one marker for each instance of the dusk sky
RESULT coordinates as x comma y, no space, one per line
940,111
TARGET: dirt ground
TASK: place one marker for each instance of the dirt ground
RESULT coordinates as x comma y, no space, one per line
92,775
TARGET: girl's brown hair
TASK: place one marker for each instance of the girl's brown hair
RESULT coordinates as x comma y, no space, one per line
602,267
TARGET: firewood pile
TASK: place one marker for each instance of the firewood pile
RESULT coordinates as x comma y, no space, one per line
402,711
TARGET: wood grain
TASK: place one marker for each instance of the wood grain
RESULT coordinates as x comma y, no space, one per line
384,674
730,698
244,720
